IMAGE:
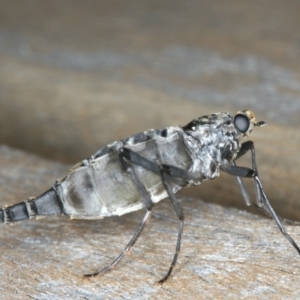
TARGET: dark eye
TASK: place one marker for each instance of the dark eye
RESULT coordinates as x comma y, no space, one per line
241,123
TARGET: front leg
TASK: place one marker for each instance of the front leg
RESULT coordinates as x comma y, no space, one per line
243,150
250,173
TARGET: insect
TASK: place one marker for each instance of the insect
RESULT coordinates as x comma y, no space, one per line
147,167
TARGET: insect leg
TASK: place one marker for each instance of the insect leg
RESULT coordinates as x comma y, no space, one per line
166,172
244,149
247,172
163,170
147,202
127,248
169,172
135,158
174,172
180,216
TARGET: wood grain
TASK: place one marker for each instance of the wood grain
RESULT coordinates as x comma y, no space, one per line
226,253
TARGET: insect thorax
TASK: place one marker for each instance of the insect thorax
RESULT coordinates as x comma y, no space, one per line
212,142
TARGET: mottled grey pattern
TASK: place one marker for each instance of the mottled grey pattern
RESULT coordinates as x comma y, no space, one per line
100,187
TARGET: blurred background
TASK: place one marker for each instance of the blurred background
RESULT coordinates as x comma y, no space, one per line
76,75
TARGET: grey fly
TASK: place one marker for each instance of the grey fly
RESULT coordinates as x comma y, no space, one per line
147,167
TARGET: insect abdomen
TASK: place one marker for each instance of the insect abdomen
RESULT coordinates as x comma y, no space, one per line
102,187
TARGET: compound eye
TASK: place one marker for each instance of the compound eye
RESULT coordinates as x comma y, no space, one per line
242,123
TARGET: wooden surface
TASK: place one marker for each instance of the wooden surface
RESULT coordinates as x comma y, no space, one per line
77,75
226,253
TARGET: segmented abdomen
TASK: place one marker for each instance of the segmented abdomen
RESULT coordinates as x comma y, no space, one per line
103,188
